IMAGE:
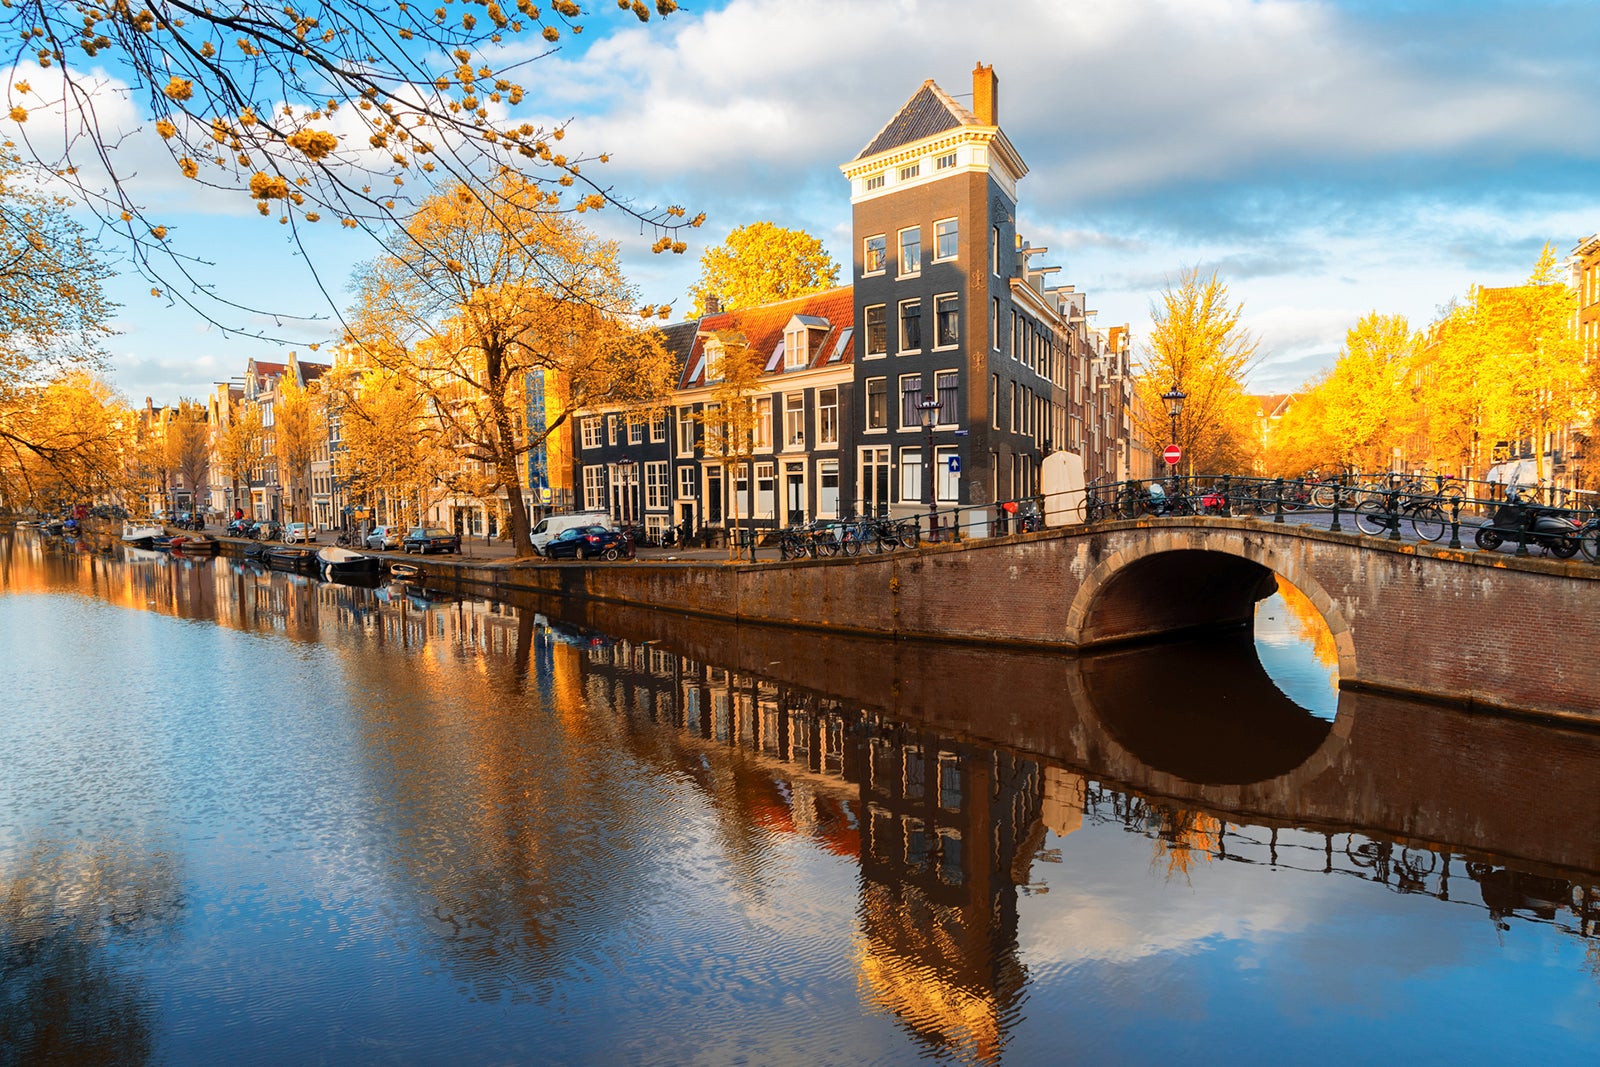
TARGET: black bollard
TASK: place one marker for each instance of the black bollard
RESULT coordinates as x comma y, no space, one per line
1336,528
1392,505
1455,522
1277,497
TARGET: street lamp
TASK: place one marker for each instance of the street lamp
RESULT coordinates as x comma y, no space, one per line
928,407
627,463
1174,398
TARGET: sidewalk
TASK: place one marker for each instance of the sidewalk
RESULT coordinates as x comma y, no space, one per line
476,549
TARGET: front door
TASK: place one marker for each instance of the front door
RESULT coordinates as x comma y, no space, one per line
794,492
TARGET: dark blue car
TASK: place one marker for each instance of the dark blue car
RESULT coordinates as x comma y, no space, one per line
589,542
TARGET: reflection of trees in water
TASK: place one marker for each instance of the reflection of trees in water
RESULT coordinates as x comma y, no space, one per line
1309,625
62,916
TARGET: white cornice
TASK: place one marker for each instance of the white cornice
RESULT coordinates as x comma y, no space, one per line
987,150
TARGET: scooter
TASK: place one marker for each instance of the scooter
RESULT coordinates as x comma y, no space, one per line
1522,519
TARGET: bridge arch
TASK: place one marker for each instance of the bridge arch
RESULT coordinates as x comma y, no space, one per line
1127,594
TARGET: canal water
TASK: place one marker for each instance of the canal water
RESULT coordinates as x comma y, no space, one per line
255,818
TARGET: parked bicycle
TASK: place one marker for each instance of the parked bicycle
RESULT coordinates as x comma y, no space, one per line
1380,517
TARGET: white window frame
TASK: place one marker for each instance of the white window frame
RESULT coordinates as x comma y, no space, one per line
635,430
688,481
910,417
824,467
901,348
867,269
945,162
946,485
686,431
943,300
874,181
954,414
594,487
794,421
900,246
658,427
761,437
656,485
866,333
866,406
796,350
911,474
954,222
910,172
828,417
592,425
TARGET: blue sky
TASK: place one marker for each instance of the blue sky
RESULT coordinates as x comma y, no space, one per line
1326,159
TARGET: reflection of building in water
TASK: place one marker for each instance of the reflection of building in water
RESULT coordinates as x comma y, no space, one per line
945,830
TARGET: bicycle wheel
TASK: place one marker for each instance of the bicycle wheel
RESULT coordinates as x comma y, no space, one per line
1324,495
1372,517
1589,542
1428,522
827,546
851,544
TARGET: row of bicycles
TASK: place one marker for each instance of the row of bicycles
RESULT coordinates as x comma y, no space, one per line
849,537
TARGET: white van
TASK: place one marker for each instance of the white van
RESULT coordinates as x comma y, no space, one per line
548,527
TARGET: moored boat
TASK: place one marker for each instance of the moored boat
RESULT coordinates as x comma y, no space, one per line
142,533
405,570
195,546
341,562
290,557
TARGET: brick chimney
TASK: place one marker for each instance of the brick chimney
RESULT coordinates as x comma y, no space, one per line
713,304
985,95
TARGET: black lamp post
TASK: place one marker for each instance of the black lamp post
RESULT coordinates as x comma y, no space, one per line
627,463
1174,398
928,407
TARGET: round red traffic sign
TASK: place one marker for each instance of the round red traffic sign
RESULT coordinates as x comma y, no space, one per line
1172,455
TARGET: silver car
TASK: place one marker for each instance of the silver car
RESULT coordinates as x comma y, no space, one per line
385,537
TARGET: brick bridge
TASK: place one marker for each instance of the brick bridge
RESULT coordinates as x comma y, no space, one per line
1474,628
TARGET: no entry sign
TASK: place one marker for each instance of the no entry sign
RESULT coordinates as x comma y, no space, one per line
1172,455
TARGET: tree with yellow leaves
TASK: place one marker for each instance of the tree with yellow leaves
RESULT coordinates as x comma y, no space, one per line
495,286
299,427
389,453
188,447
1199,346
240,446
729,418
61,442
760,263
318,112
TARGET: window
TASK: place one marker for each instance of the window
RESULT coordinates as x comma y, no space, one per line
874,251
946,321
591,432
946,239
945,162
910,474
658,427
910,326
794,420
766,490
907,173
945,382
994,401
828,488
874,181
877,404
946,482
994,324
713,360
686,434
761,439
910,397
635,430
994,251
686,480
877,331
655,485
796,352
828,416
874,481
911,250
594,488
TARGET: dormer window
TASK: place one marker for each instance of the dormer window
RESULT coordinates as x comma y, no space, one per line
713,360
803,338
795,355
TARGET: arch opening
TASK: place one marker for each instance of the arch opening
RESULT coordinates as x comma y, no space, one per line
1297,650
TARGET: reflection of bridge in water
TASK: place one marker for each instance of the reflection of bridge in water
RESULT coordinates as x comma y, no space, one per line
1475,628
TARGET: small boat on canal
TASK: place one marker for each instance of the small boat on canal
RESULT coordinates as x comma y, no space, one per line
339,562
141,532
405,571
195,546
290,558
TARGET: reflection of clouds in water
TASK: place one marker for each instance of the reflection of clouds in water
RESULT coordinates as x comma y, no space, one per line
1297,650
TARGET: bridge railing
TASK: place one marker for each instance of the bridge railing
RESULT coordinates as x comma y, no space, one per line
1382,504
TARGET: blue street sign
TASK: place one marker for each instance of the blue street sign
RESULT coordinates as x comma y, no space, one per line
955,464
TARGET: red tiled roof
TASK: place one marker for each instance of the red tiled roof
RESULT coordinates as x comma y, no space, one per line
763,330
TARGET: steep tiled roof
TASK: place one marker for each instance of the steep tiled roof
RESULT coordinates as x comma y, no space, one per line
763,331
929,111
678,339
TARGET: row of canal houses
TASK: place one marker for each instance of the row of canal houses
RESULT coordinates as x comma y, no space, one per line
950,317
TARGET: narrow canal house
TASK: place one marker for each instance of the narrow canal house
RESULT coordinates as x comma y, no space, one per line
947,304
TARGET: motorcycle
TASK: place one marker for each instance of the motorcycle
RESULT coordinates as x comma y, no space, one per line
1522,519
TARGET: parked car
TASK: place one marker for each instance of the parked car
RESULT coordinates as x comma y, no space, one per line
546,529
299,533
384,537
425,539
589,542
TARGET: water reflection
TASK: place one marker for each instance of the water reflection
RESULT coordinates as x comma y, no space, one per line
619,818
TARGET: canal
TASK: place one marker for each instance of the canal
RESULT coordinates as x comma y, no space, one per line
251,816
